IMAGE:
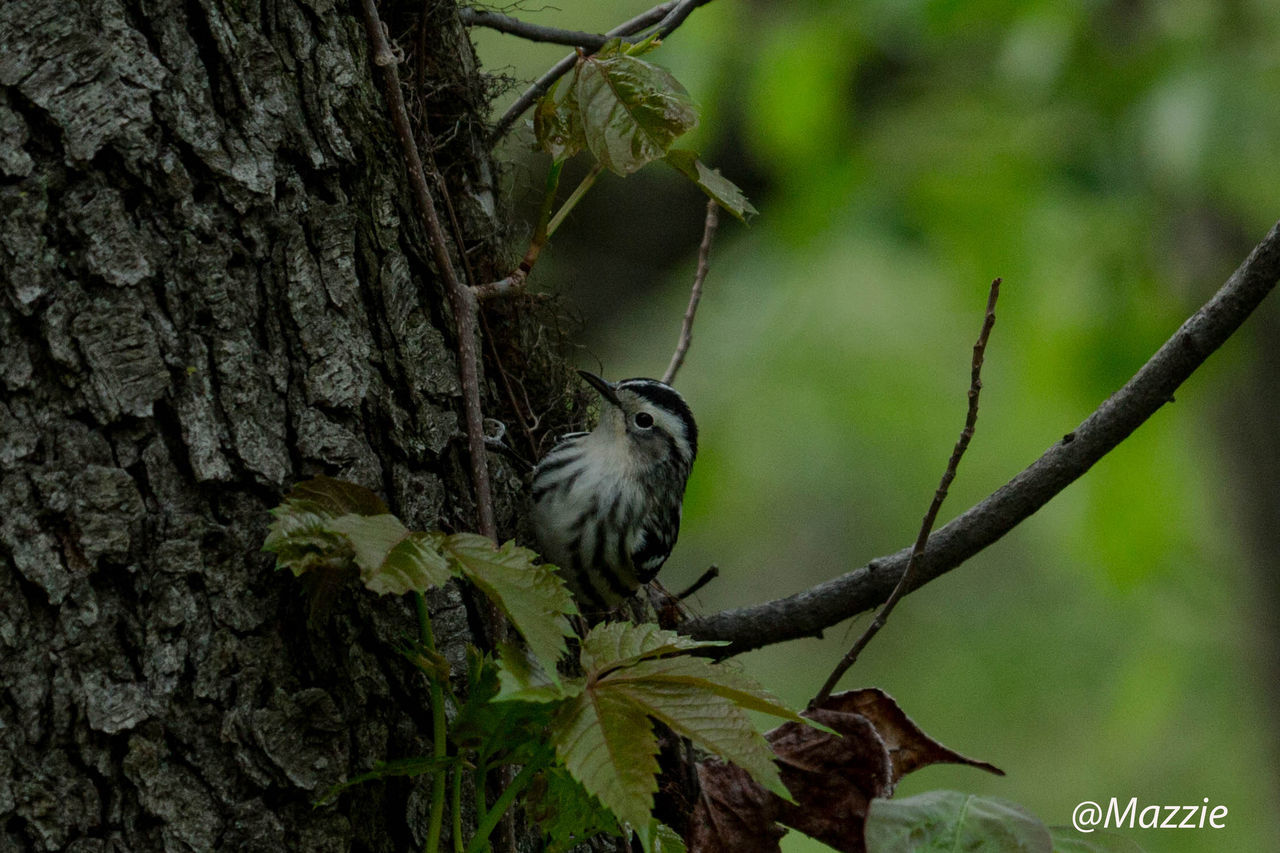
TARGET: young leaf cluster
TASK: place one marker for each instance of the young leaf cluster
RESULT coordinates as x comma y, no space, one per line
586,745
627,112
323,521
602,727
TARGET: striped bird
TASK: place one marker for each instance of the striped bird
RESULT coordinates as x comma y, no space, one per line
607,502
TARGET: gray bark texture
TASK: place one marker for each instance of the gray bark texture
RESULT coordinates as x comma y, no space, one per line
213,284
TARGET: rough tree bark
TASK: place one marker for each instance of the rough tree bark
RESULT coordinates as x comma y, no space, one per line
213,286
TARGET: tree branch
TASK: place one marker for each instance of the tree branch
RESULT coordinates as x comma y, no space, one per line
808,613
461,298
668,16
939,495
695,294
533,32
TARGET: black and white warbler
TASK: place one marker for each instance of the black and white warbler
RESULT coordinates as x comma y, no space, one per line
607,502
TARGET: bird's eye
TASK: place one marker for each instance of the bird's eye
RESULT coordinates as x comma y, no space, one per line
644,420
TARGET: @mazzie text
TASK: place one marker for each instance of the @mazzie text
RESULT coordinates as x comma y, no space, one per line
1088,816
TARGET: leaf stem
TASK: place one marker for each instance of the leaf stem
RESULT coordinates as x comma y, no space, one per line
455,807
553,183
516,281
479,778
439,734
505,799
540,232
574,198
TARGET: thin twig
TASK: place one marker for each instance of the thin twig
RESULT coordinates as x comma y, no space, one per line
807,613
695,295
703,579
460,296
926,526
465,310
667,16
532,32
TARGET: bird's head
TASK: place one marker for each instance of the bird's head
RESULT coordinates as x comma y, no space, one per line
650,417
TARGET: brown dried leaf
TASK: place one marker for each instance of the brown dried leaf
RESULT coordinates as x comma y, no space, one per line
734,814
909,747
831,777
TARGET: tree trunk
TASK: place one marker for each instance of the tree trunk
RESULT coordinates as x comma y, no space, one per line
214,285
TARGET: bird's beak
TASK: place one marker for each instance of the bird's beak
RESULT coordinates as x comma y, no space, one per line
605,388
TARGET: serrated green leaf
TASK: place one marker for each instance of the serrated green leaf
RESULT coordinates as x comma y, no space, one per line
522,679
414,563
719,678
531,594
607,743
301,539
385,769
565,813
301,536
716,186
337,497
950,820
392,559
631,110
614,644
371,536
689,695
630,676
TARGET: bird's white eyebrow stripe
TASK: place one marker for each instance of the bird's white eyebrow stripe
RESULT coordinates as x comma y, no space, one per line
668,399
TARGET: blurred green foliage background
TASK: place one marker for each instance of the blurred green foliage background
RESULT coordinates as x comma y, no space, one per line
1113,162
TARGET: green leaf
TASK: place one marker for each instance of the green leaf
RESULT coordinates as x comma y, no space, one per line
300,534
301,539
657,837
372,536
566,813
497,732
391,558
605,736
704,702
557,123
414,563
711,182
631,110
384,769
640,48
522,679
949,820
1069,840
607,743
615,644
531,594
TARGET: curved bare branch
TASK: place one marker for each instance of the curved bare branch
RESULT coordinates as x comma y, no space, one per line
808,613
